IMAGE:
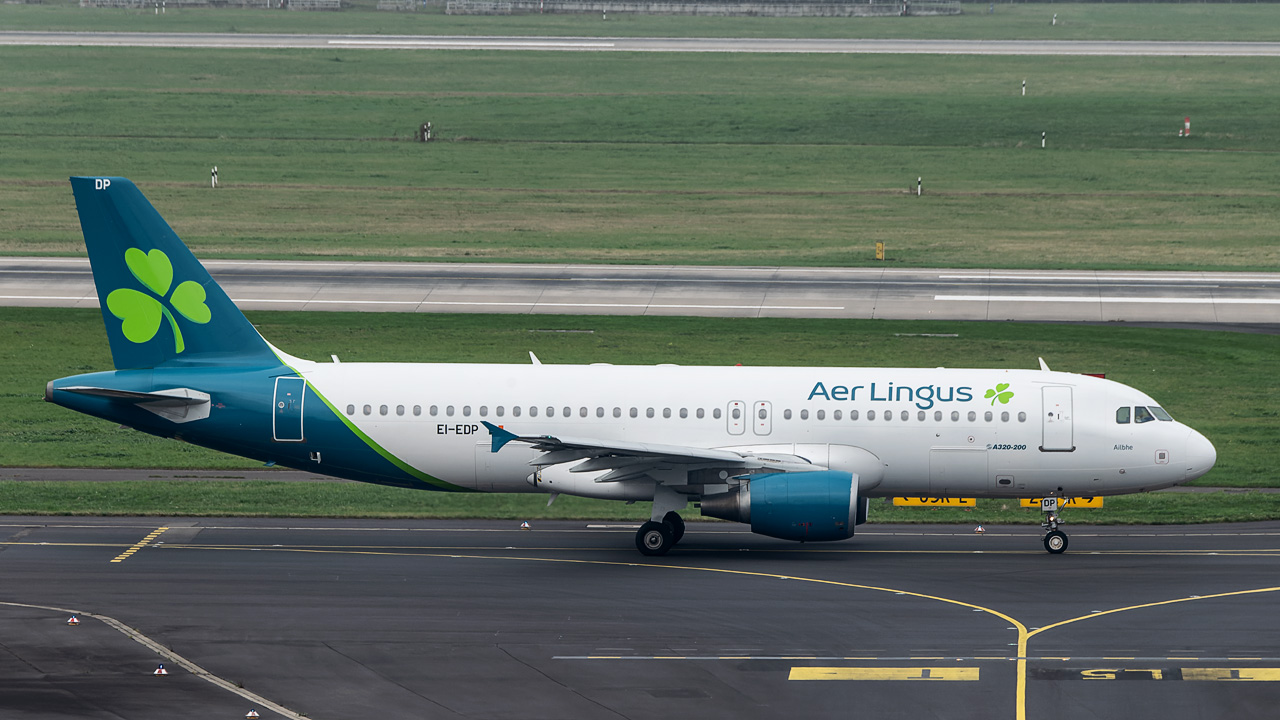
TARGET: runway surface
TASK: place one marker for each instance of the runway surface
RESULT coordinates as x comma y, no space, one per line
362,619
1088,296
620,44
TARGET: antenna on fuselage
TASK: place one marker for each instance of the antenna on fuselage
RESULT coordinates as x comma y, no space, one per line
536,361
1043,365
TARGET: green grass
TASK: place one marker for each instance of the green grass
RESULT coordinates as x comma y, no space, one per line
656,158
294,499
1076,21
1223,384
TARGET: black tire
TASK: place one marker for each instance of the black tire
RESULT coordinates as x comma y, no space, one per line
654,538
1056,542
677,525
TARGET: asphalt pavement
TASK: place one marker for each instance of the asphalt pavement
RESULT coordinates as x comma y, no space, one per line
365,618
1181,48
1242,300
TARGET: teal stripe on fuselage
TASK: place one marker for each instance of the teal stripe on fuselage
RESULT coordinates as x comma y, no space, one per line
240,422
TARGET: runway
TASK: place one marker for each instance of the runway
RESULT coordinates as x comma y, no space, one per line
360,618
1213,299
624,44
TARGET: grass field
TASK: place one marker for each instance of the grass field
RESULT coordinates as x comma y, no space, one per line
1138,21
1223,384
657,158
293,499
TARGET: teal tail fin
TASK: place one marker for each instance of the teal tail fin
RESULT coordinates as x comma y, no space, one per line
159,304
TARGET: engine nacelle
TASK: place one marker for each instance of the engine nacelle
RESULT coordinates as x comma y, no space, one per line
819,505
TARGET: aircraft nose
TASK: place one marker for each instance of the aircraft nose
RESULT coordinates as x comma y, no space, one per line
1201,455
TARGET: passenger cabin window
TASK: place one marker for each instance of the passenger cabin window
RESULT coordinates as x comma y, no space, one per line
515,411
501,410
1122,416
382,410
648,412
448,410
715,414
367,409
1142,415
417,410
786,414
871,414
804,414
351,409
435,410
835,415
399,409
853,414
701,413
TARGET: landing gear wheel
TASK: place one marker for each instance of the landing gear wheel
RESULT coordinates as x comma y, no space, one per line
677,525
1056,542
655,538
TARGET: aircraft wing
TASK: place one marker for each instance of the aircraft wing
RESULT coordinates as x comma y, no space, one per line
629,460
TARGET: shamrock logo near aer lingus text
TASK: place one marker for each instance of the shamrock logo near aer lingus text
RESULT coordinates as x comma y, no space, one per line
142,312
1001,393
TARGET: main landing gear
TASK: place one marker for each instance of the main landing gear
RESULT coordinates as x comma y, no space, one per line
1055,541
656,538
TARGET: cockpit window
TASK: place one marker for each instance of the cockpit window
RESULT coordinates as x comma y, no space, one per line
1142,415
1122,416
1161,414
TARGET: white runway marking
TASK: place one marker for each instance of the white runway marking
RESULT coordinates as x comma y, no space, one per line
1073,299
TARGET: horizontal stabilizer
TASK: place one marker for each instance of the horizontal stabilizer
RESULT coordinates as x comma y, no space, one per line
179,404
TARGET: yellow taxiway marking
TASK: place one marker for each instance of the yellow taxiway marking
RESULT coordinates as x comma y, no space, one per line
883,673
1232,674
1024,635
139,545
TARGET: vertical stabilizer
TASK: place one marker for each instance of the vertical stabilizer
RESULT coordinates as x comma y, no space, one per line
159,304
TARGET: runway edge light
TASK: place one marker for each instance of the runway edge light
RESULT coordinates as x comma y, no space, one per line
524,525
160,670
73,620
979,530
252,715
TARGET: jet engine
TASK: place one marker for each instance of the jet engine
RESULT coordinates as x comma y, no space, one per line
804,506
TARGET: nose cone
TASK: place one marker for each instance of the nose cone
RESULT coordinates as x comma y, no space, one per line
1201,455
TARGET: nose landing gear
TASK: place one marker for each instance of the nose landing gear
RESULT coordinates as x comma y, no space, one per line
1055,541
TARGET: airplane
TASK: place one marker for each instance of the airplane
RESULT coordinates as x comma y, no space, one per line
794,452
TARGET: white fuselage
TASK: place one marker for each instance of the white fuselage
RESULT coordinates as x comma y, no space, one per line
936,432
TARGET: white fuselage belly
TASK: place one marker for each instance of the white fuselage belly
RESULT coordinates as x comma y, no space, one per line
947,432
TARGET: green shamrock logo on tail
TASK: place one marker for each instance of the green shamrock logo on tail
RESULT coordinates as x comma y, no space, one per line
1001,393
141,312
